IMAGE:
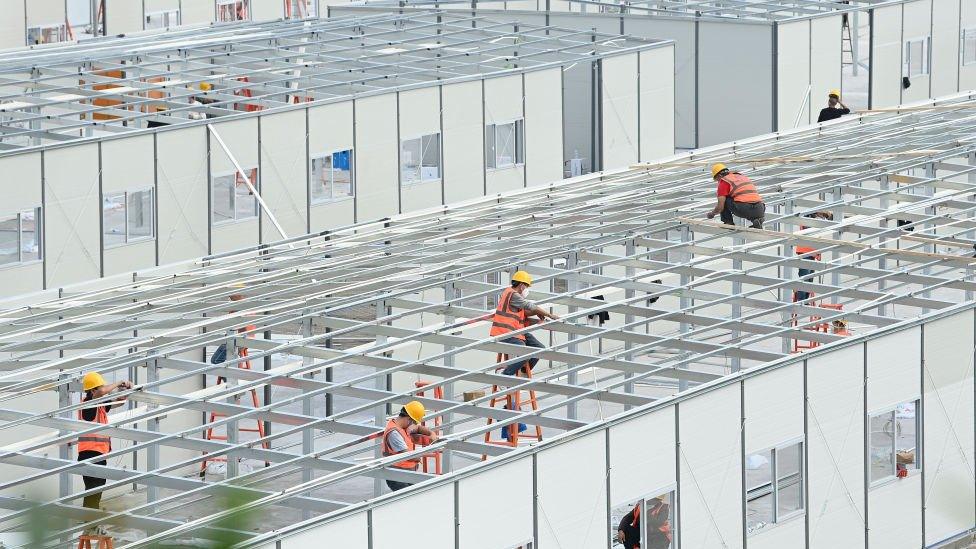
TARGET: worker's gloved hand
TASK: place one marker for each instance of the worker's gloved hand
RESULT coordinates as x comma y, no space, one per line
710,215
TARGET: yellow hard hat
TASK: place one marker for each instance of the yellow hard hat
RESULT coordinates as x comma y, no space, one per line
717,169
205,86
92,380
835,93
523,277
415,410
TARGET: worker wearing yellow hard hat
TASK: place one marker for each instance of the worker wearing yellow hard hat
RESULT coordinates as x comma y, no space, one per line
401,436
512,314
92,445
737,197
834,109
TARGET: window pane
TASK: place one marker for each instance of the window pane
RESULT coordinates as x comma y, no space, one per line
969,46
918,57
759,486
520,141
882,446
490,146
410,160
342,184
140,214
907,439
505,144
30,241
431,157
623,515
247,204
9,240
223,198
659,511
789,475
321,189
113,218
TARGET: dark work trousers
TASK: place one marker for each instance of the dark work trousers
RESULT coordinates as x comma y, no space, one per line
804,275
530,341
753,211
92,501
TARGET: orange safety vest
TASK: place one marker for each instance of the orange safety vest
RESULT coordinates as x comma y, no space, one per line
743,189
411,464
93,441
806,250
507,319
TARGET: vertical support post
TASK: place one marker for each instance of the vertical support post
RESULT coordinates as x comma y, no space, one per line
835,255
885,186
233,435
971,157
267,388
630,249
308,440
64,450
572,284
929,190
853,27
736,362
379,411
450,294
684,302
789,273
152,453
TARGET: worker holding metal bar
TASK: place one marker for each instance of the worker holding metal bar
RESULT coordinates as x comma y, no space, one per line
92,445
513,312
737,195
401,436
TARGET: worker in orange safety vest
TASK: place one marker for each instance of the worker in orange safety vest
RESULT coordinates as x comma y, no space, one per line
807,252
92,445
401,436
658,526
513,312
737,195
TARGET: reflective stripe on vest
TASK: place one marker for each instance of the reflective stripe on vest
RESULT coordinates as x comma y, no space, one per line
743,190
505,319
411,464
93,441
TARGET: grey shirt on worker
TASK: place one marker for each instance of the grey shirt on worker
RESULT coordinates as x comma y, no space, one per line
396,442
519,303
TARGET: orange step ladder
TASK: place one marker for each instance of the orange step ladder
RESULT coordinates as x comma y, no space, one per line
101,542
434,456
245,365
839,326
513,401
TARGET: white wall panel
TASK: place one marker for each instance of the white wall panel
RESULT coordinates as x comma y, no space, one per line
543,127
641,456
825,61
464,138
573,514
329,215
162,5
886,60
25,169
128,165
657,103
197,11
483,507
604,23
352,530
893,369
945,46
620,113
683,85
780,536
950,501
45,12
420,114
184,184
284,173
130,257
122,17
72,214
750,98
330,129
503,103
967,20
434,509
12,31
917,18
241,137
711,465
835,462
774,408
377,150
267,10
895,513
793,74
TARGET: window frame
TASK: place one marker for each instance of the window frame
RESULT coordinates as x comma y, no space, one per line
38,212
148,14
311,6
916,467
773,488
420,161
906,68
352,177
246,4
213,188
518,135
62,31
969,32
672,492
126,237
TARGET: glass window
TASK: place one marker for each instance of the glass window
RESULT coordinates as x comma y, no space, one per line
651,526
46,34
916,57
420,158
520,141
113,219
246,204
139,214
332,176
232,199
894,442
968,46
301,9
162,19
20,237
774,486
223,198
128,216
504,144
232,10
490,158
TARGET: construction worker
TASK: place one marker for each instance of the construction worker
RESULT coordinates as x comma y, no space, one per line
659,526
513,312
834,109
95,444
401,435
737,195
806,252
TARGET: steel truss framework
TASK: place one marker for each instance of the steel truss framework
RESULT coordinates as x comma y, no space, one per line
631,235
755,10
109,87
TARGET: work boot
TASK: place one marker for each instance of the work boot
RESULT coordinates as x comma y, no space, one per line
758,223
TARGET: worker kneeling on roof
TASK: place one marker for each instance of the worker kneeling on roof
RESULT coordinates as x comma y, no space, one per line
513,312
400,436
92,445
737,195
